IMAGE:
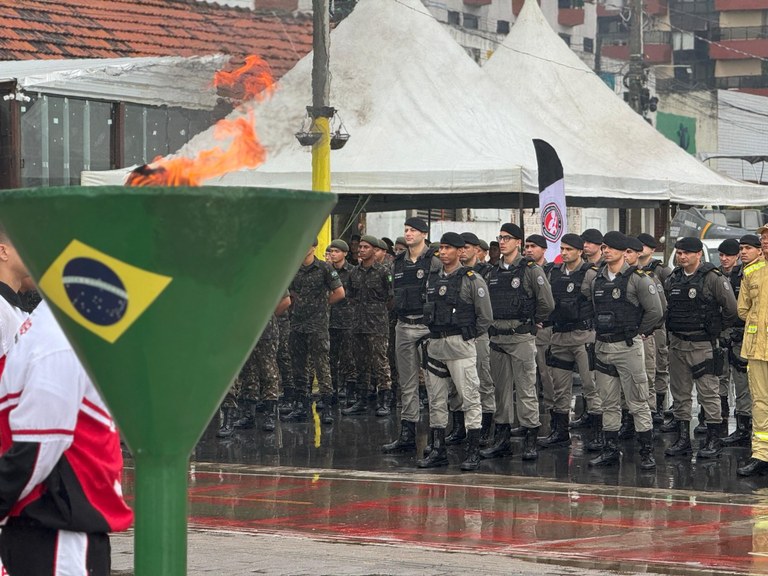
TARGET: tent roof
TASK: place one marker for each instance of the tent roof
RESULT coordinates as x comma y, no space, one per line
606,148
172,81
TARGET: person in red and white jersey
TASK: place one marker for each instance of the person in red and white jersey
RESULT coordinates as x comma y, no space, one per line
61,463
13,275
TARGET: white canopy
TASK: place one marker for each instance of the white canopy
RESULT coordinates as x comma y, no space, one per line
607,149
170,81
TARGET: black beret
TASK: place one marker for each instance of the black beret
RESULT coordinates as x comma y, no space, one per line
730,247
592,235
648,240
417,224
750,240
689,244
513,230
484,245
614,239
470,238
573,240
537,239
493,243
634,244
453,239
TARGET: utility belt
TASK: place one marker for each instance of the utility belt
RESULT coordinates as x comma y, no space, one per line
702,337
559,363
572,326
612,338
528,328
411,321
714,366
436,367
446,333
738,363
608,369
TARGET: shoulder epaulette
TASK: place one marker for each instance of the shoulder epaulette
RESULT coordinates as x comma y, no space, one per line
469,273
640,272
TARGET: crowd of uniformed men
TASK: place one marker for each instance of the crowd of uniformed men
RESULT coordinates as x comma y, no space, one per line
489,337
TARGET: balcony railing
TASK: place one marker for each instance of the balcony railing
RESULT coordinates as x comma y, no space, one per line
741,82
740,33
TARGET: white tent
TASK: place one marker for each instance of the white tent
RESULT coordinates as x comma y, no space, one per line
607,149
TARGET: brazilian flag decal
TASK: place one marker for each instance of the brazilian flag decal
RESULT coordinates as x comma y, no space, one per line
99,292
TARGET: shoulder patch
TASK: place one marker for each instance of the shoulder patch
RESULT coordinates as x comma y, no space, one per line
540,280
652,289
481,292
727,284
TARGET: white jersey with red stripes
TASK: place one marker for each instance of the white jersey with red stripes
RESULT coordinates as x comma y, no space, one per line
48,403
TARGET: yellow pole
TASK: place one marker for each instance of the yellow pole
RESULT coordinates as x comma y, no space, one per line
321,177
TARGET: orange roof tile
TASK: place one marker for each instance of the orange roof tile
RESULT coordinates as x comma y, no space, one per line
44,29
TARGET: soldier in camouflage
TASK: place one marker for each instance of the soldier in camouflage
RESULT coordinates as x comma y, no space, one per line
314,289
371,295
343,374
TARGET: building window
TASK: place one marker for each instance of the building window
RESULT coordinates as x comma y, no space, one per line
470,21
502,26
454,18
589,45
566,38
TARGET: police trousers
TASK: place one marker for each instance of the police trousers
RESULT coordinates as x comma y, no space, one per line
513,368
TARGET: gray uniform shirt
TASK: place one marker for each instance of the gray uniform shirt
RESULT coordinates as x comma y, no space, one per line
472,290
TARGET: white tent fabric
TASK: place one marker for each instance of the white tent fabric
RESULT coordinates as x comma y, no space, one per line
170,81
607,149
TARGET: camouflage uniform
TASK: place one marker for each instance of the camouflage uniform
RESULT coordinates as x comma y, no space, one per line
340,331
284,363
309,340
370,292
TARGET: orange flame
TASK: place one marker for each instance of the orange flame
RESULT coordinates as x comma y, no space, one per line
245,150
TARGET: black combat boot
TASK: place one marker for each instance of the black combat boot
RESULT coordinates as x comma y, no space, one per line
226,424
559,434
299,412
701,427
349,397
502,446
439,454
486,436
430,442
472,461
248,419
627,430
712,446
610,453
682,444
458,431
725,413
742,435
753,467
669,426
531,437
647,461
383,409
269,416
658,416
286,403
596,442
583,420
326,415
360,406
405,442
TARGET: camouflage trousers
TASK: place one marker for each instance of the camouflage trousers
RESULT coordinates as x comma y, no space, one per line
284,363
341,358
260,378
310,355
371,359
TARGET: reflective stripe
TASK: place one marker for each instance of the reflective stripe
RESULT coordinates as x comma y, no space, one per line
752,329
754,266
763,436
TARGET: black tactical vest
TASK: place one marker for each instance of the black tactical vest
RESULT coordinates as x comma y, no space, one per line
509,299
615,315
573,311
409,280
688,310
735,278
446,310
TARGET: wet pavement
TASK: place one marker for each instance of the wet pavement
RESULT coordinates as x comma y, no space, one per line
332,484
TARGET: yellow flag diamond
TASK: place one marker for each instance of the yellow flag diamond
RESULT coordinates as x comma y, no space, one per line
101,293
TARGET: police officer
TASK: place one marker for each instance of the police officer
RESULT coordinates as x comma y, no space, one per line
659,272
411,269
535,248
749,253
627,309
753,309
521,298
700,306
572,343
730,267
371,294
593,244
343,374
457,309
314,289
482,251
469,258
